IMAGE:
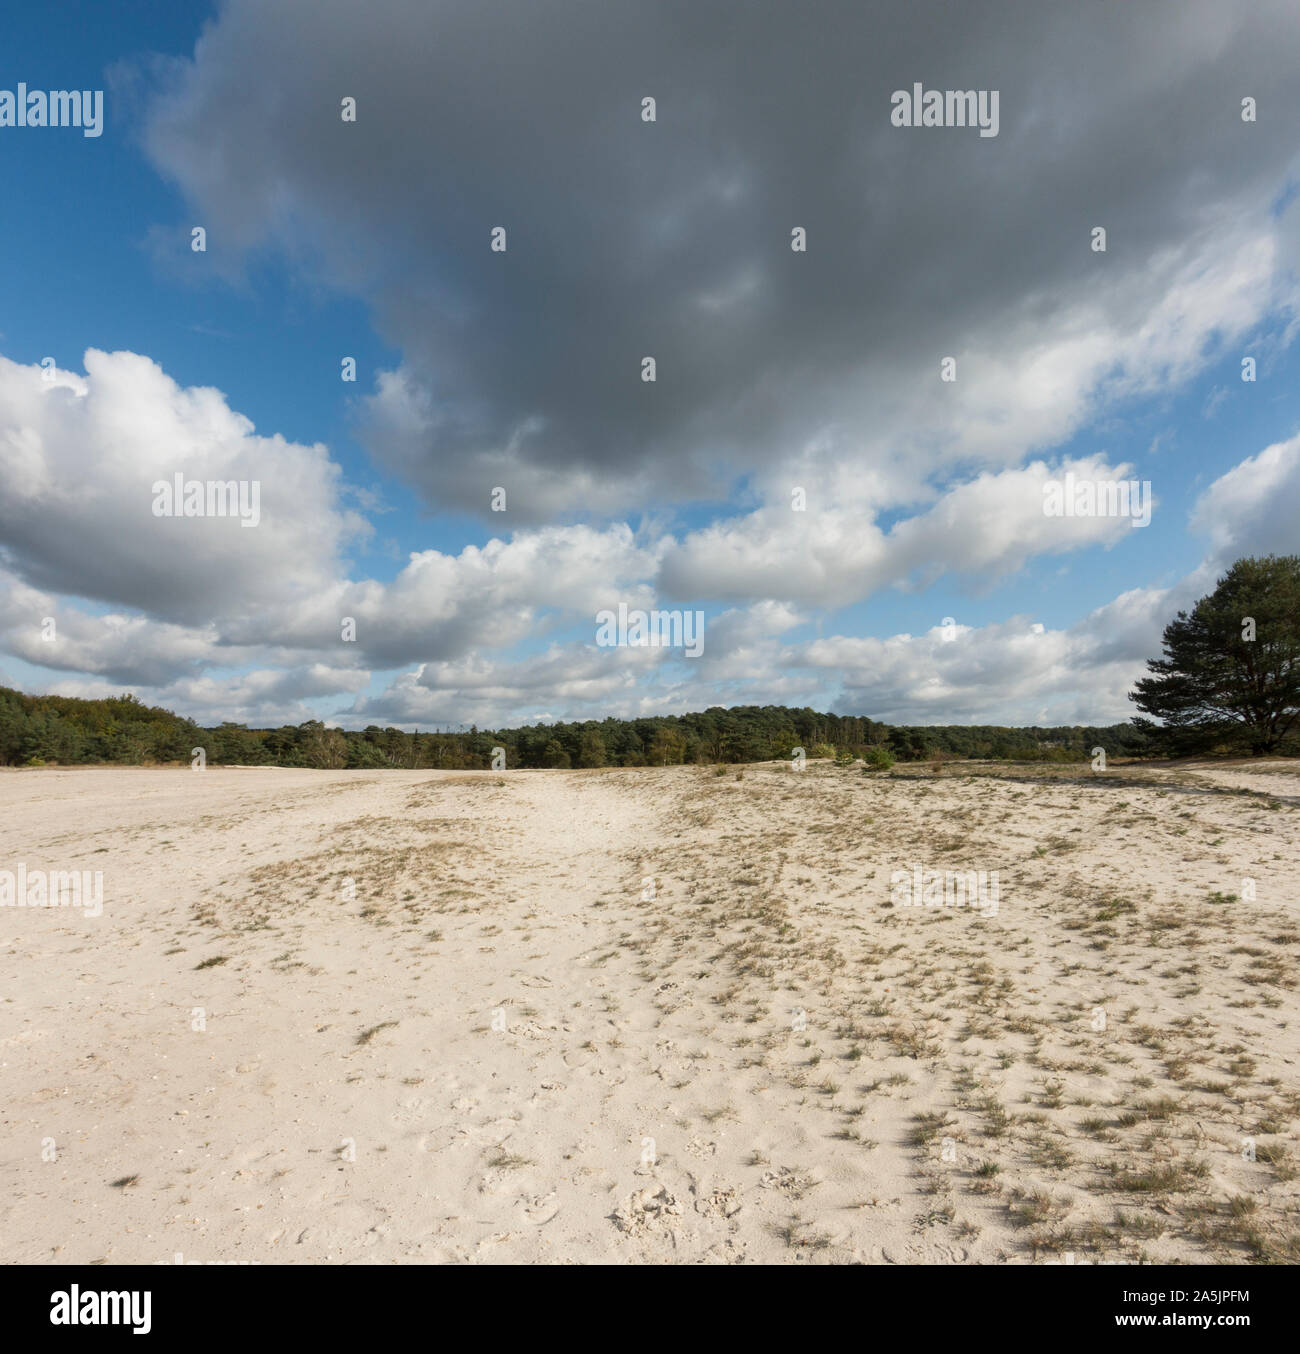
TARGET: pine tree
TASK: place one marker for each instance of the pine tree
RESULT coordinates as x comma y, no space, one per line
1231,668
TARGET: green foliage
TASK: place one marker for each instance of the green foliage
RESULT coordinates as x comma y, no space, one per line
878,759
35,730
55,729
555,755
1230,676
591,747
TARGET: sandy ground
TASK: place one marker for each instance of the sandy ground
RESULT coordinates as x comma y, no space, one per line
652,1016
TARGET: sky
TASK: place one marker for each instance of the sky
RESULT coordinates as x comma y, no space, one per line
844,461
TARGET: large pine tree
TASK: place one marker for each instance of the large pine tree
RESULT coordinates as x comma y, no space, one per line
1230,674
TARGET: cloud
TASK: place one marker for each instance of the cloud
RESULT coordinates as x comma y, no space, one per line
983,529
1009,672
79,458
440,606
267,698
1254,508
490,692
467,624
672,238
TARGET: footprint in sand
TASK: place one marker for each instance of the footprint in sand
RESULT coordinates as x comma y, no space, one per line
647,1210
537,1211
718,1203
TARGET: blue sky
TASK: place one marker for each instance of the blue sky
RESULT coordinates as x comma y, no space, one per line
475,369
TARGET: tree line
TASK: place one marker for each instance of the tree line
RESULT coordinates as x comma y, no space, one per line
39,730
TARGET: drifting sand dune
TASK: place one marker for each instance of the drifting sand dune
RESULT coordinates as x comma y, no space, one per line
651,1015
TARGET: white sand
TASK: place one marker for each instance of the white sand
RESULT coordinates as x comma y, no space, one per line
282,1133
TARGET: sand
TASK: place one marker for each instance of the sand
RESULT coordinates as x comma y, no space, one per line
656,1015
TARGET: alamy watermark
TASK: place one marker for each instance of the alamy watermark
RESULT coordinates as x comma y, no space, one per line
53,888
651,629
180,497
1075,497
919,887
82,108
922,107
97,1307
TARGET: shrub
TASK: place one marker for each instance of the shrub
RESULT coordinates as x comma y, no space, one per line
878,759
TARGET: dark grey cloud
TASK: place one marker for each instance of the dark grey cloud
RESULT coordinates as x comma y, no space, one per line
672,239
